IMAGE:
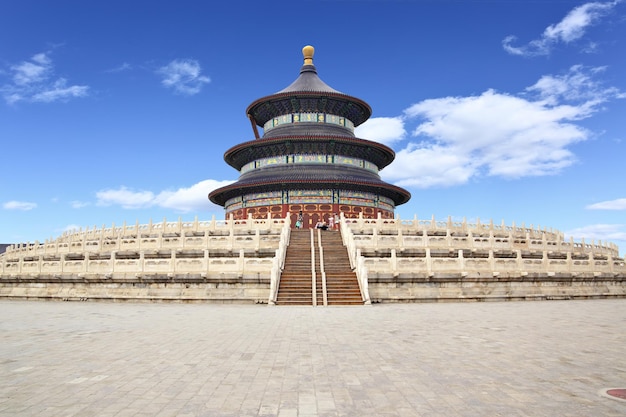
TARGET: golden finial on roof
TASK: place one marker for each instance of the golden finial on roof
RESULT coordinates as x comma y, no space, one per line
308,52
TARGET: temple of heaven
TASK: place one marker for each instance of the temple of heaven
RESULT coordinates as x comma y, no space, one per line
308,158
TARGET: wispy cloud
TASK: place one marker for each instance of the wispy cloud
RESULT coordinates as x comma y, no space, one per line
79,204
33,71
59,90
184,200
494,134
34,81
579,84
618,204
71,228
604,232
19,205
184,76
120,68
572,28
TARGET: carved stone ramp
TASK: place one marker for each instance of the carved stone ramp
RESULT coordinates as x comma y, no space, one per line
307,268
342,286
296,280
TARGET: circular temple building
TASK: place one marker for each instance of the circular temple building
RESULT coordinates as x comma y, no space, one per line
308,158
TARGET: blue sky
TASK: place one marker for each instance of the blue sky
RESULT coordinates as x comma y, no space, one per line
121,111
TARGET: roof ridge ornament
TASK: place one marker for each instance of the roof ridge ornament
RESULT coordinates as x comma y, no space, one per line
308,52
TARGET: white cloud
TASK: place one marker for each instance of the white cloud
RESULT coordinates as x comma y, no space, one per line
570,29
190,199
126,198
193,198
59,91
429,165
618,204
19,205
184,76
382,129
603,232
120,68
578,84
71,228
33,71
79,204
575,23
33,81
498,134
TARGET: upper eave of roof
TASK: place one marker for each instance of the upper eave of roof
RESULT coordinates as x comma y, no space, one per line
307,85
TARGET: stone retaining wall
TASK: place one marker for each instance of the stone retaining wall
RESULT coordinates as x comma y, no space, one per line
414,288
223,289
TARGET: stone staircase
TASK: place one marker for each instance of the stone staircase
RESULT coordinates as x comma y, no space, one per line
342,287
296,281
296,286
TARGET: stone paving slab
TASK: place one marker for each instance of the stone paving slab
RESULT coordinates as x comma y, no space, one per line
544,358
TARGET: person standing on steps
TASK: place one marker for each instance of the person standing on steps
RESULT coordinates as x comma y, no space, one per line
331,222
299,220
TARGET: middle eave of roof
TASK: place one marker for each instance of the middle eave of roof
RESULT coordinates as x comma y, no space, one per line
241,154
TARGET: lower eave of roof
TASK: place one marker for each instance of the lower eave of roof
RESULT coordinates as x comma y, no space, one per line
221,195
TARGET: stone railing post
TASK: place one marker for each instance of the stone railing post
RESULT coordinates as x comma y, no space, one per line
375,237
231,238
172,261
279,259
242,262
462,262
519,261
61,262
492,259
142,262
230,222
362,274
568,261
205,260
112,262
86,262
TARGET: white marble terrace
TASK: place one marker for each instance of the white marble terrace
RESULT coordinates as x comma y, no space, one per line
256,247
205,248
397,246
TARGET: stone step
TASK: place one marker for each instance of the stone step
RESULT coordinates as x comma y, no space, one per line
296,280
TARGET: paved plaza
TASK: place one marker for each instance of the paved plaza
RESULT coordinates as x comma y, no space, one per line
542,358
